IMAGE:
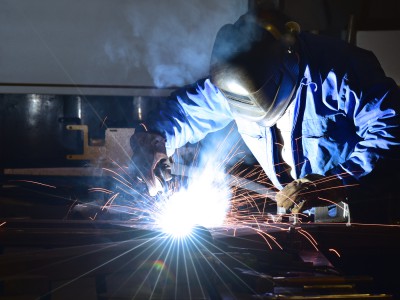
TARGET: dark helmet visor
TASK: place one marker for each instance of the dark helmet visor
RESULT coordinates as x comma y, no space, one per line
266,105
258,78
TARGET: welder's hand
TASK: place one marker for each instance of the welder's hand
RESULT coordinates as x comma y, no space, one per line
150,162
311,191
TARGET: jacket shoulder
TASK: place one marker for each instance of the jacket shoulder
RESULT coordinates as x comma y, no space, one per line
325,54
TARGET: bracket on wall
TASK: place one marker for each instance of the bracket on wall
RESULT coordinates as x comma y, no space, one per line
115,147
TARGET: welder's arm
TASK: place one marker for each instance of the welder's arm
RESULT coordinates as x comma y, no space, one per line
187,116
190,114
377,123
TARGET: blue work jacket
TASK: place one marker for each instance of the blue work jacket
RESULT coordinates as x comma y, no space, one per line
345,121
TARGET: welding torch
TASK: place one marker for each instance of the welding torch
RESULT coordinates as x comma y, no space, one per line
163,174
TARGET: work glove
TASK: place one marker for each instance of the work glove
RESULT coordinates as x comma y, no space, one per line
150,163
313,190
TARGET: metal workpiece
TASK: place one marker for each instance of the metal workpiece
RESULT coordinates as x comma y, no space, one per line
129,260
244,183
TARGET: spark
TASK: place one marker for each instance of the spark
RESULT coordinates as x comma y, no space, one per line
265,236
311,238
102,190
1,224
103,122
144,126
120,178
208,198
204,202
110,201
334,251
35,182
302,232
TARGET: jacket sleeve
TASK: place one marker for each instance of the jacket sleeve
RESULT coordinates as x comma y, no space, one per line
189,114
373,101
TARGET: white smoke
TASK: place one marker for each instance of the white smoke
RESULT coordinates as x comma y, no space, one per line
171,40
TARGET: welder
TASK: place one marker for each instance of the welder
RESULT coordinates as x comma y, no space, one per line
319,115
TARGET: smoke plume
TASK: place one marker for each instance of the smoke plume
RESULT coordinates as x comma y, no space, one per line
171,40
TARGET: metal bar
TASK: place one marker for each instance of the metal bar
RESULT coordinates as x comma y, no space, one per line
83,89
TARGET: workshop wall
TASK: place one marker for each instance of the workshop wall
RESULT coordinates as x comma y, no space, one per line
141,43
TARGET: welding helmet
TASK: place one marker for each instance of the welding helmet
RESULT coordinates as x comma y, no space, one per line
255,64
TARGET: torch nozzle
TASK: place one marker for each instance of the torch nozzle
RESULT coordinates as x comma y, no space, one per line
163,173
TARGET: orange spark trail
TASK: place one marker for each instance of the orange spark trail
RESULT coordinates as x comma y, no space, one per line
265,235
103,190
35,182
308,238
334,251
110,201
119,176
